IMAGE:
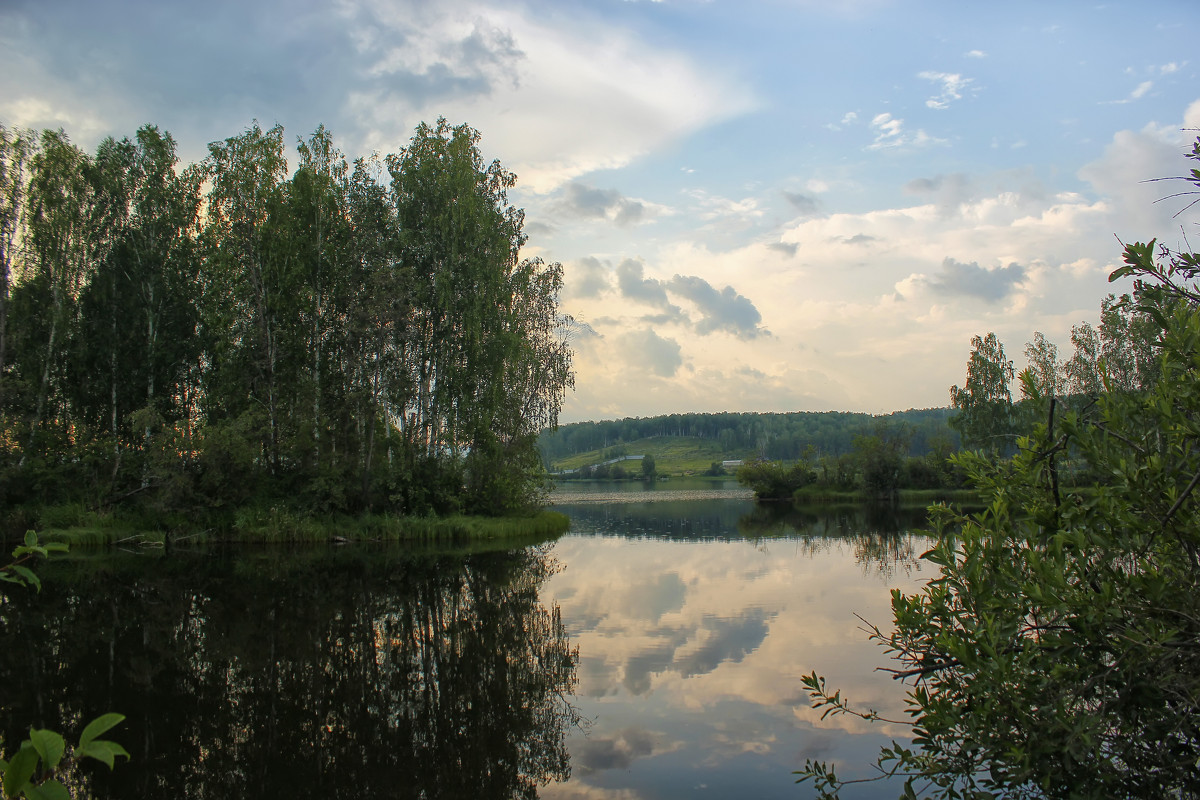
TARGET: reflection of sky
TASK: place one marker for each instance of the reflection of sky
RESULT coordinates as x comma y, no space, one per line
691,654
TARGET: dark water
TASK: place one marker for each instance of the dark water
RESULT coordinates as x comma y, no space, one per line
654,652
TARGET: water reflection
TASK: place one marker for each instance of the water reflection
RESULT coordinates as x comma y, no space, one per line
694,625
678,629
322,674
884,537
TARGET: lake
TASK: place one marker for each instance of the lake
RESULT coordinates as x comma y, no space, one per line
655,651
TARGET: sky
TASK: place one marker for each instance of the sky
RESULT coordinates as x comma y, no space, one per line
759,205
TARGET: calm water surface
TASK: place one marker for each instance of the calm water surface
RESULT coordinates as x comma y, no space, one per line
653,652
695,620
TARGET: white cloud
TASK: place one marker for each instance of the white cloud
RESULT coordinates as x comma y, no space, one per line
887,130
710,207
579,97
890,133
973,252
580,200
975,54
1138,93
953,86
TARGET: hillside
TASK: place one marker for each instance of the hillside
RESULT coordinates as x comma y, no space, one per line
683,442
673,455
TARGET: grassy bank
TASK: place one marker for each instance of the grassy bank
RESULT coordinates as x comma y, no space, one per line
813,495
80,527
673,455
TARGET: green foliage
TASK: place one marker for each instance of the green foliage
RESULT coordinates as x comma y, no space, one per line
698,438
875,470
881,460
184,338
984,403
772,480
17,570
649,468
1054,655
30,771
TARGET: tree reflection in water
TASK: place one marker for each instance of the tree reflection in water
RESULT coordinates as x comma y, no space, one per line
885,538
315,674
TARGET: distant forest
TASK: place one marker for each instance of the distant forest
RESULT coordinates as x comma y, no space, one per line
773,436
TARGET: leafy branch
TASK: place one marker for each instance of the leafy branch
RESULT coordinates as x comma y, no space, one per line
31,771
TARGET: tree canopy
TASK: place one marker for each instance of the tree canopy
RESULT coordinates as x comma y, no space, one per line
342,335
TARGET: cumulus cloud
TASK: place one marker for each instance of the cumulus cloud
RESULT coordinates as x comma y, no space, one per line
595,95
555,95
714,207
634,285
858,238
805,204
948,192
953,85
787,248
726,640
975,54
1124,173
725,310
581,200
617,752
588,278
434,57
957,279
646,351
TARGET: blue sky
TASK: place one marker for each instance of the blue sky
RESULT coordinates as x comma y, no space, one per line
770,206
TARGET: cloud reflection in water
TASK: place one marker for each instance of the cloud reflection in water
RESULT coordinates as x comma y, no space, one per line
693,639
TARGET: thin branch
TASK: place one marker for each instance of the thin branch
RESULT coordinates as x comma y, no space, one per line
1179,501
899,675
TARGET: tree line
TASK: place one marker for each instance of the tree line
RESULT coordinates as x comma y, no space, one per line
787,436
1119,355
343,336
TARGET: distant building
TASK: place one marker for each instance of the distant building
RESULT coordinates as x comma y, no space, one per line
737,462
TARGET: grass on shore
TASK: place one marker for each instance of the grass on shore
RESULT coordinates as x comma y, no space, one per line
908,497
80,527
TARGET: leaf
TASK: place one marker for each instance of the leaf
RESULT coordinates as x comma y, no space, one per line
50,790
98,726
27,574
49,745
31,539
101,750
19,771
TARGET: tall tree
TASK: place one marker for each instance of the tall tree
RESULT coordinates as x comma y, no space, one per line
1044,365
60,205
984,402
17,148
249,289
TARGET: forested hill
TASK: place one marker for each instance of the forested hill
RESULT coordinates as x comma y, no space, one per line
775,436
